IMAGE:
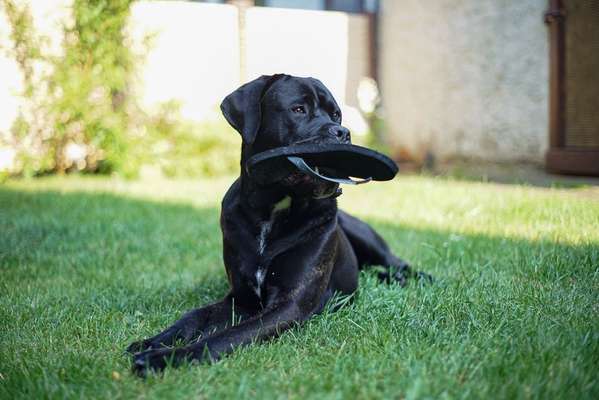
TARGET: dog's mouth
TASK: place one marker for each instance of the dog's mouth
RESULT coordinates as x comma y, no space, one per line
323,182
305,185
328,174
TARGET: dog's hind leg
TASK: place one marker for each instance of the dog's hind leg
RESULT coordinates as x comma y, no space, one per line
372,250
199,322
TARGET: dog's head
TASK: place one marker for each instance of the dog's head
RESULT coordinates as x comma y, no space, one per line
283,110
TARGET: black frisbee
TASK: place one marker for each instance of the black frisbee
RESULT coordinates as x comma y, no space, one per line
337,162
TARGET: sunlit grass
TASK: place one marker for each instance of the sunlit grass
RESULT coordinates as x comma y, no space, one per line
90,264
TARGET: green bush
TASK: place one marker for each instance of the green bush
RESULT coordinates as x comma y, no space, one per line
83,99
183,149
81,96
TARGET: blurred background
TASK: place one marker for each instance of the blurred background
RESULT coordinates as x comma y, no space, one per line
133,87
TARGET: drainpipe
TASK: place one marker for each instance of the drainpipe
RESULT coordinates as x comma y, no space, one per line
242,6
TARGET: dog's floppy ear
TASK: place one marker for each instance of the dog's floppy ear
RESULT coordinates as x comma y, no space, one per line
242,107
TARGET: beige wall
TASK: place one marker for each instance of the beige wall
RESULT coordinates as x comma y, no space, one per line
466,78
330,46
193,56
195,53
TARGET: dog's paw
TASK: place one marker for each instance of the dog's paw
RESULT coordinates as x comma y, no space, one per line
136,347
141,345
402,274
153,360
398,275
165,339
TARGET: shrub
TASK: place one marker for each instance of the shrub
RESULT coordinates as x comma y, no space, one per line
78,98
79,111
183,149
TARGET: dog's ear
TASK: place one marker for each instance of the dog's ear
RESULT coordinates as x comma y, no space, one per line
242,107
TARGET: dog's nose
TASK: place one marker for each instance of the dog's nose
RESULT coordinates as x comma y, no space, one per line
340,132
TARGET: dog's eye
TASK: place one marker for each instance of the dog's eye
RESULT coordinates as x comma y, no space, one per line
298,109
336,114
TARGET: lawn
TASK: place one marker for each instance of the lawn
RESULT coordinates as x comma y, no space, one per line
90,264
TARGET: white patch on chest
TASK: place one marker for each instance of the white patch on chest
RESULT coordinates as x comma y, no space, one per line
281,205
265,228
260,273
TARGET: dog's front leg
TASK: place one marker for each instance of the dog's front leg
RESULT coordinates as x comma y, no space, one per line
263,326
201,321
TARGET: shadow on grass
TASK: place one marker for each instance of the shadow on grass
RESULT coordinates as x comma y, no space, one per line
141,247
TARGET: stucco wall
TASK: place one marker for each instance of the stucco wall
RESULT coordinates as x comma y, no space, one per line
465,78
330,46
193,57
195,53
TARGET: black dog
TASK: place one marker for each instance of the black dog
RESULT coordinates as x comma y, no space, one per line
287,249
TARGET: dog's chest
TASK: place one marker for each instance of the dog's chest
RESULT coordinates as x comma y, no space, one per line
266,227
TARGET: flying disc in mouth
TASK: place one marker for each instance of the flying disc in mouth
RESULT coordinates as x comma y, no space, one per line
333,162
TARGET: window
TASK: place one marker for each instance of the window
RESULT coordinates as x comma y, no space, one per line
352,6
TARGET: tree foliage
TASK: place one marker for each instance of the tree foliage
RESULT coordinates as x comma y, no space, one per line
79,110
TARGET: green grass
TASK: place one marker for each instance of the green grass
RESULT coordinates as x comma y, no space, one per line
88,264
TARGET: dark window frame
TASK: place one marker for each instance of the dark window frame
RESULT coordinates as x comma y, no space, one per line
328,6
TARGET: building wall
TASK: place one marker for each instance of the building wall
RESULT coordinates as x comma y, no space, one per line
331,46
192,56
465,78
195,54
458,78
